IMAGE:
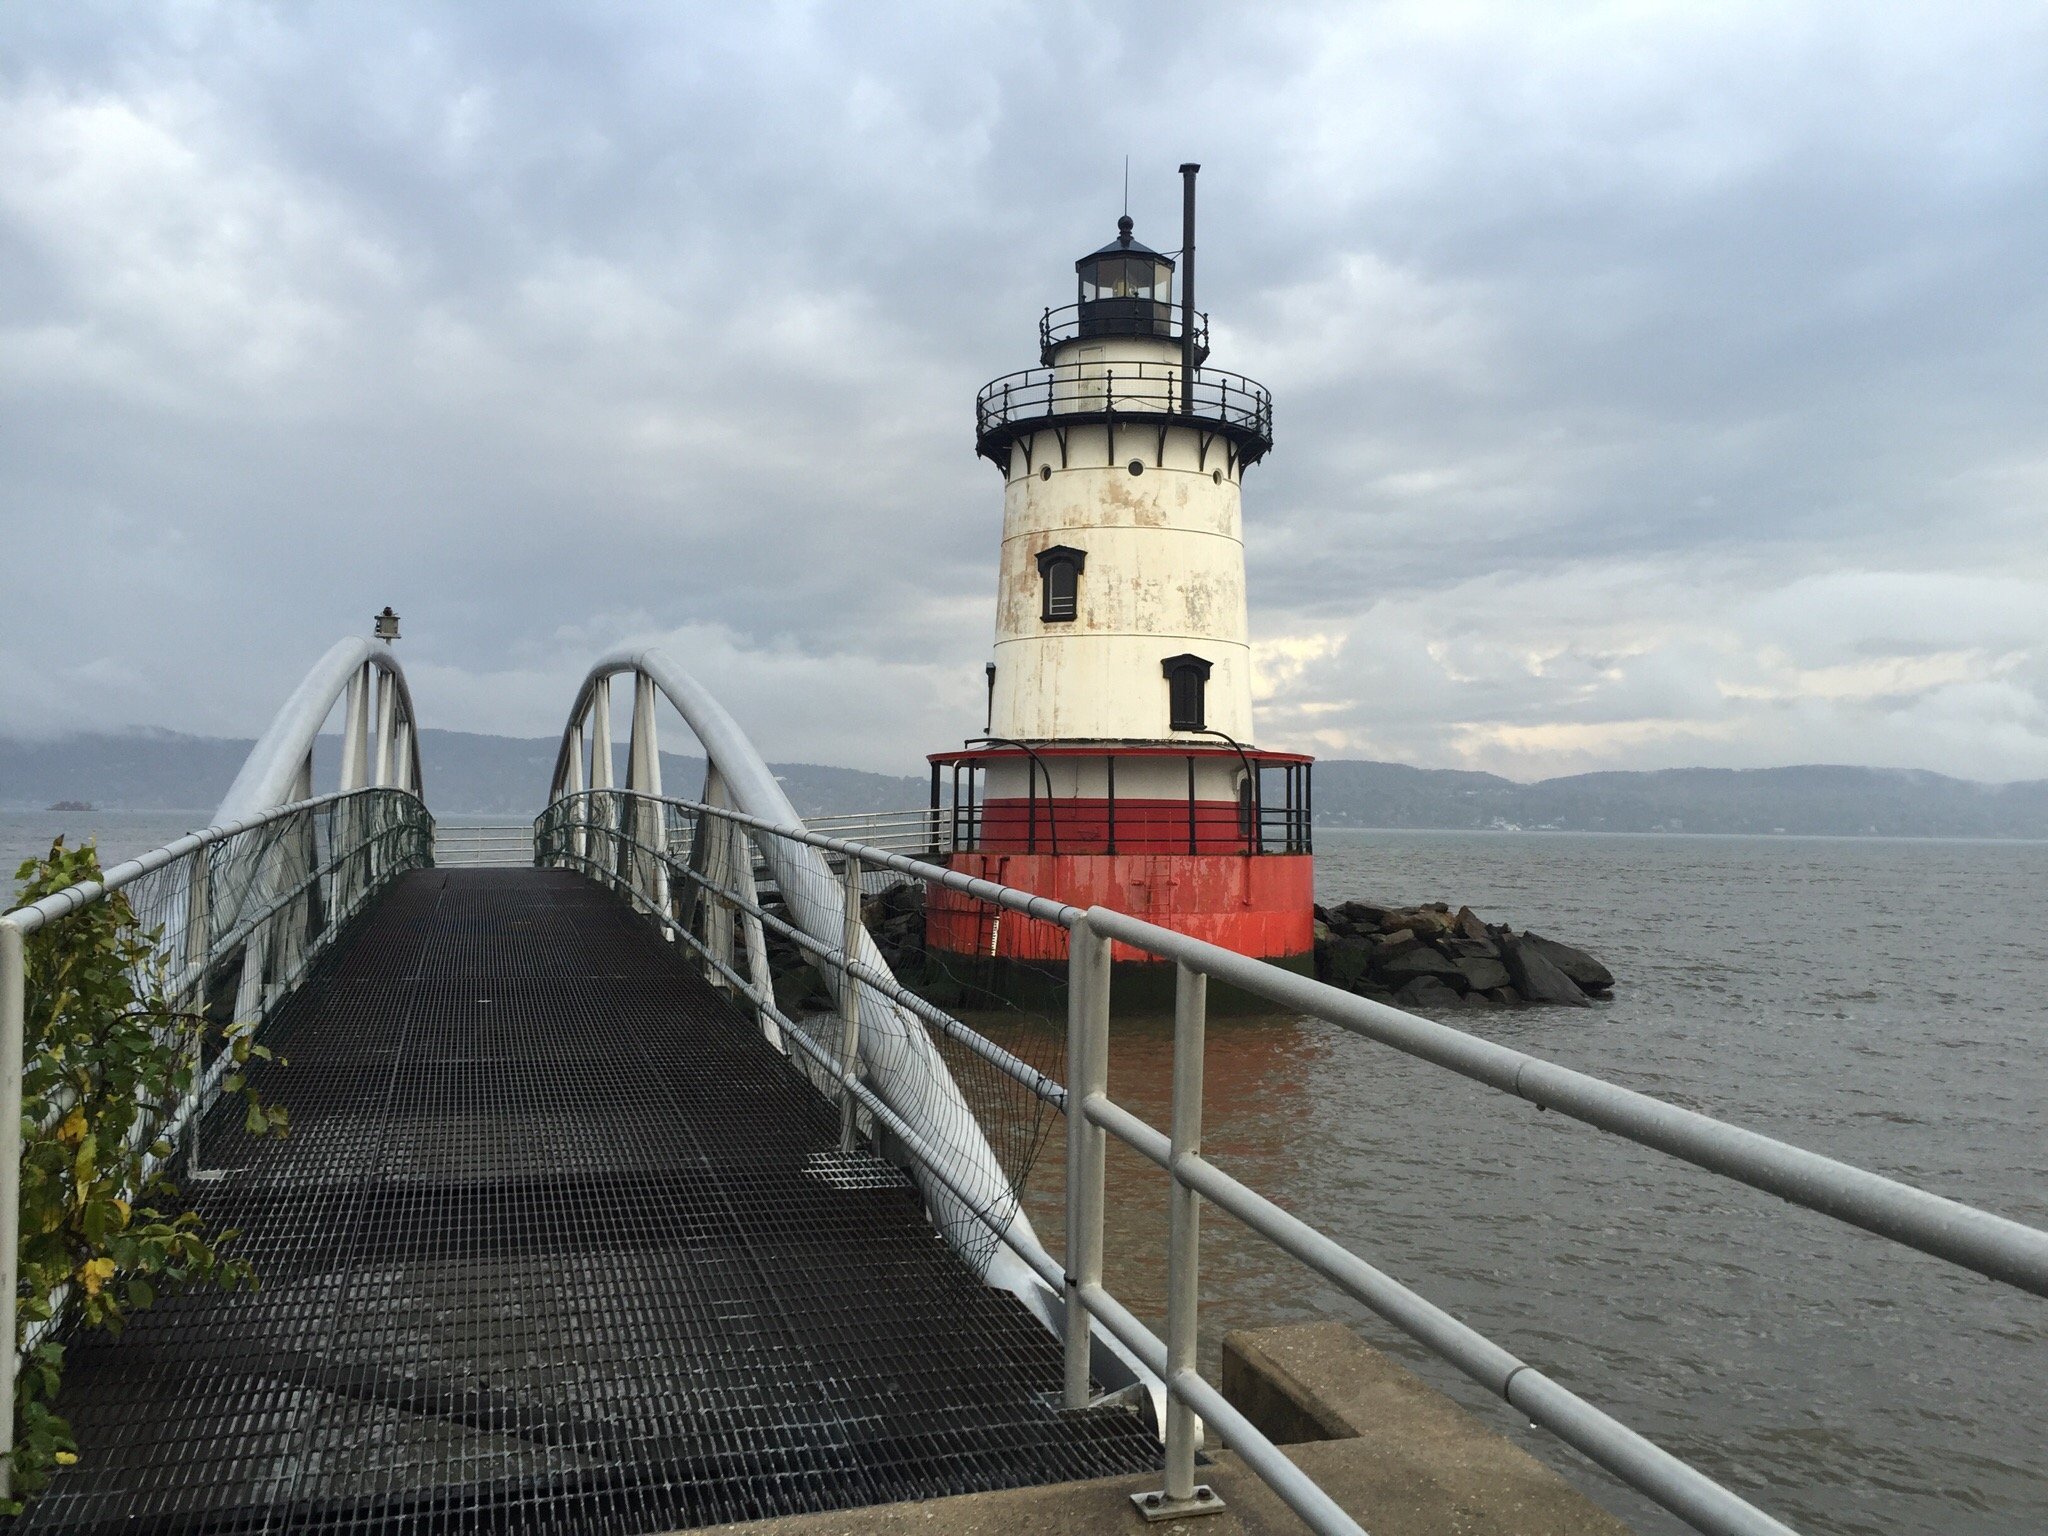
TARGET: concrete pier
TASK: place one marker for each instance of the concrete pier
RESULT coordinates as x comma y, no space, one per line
1397,1454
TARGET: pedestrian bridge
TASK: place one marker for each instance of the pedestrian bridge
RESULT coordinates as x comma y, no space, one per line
558,1242
580,1227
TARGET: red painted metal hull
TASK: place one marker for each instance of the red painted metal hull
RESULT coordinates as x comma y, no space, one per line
1260,905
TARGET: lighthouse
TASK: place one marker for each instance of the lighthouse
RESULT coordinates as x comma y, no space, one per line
1117,764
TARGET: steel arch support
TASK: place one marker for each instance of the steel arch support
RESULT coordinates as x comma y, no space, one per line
894,1050
265,781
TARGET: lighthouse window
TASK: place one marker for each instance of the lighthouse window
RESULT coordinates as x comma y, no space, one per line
1059,583
1187,683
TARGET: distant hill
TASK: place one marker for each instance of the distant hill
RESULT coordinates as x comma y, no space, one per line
466,774
475,775
1817,800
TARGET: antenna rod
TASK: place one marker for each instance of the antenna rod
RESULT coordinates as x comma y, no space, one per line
1187,287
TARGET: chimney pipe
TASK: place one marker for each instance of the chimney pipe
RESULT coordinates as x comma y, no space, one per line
1187,287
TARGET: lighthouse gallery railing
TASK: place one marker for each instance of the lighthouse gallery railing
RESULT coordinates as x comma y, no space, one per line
1261,820
1216,397
1993,1246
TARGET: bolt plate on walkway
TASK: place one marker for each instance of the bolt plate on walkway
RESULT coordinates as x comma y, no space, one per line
1157,1508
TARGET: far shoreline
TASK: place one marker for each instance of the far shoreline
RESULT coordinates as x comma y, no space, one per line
1755,837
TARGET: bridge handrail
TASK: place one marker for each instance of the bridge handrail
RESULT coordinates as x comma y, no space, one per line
255,887
914,829
1994,1246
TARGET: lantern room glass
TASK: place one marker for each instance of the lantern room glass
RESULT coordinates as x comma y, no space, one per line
1126,277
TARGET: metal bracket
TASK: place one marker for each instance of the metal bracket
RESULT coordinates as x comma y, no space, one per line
1133,1396
1156,1506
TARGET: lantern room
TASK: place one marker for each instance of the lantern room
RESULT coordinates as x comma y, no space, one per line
1125,288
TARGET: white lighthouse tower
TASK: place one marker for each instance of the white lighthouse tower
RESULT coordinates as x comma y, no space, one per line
1118,764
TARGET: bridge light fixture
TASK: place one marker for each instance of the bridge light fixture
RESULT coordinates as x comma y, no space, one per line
387,625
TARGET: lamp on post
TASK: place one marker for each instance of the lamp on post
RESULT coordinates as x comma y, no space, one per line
387,625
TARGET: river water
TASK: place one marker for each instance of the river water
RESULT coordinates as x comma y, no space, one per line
120,834
1885,1002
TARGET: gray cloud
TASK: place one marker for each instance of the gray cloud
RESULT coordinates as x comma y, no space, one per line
1653,387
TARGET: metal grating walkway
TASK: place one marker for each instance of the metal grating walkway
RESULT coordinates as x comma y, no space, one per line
551,1248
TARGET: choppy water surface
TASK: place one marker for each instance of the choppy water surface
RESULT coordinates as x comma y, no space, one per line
1883,1002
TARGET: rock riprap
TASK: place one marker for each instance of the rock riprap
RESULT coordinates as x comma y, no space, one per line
1419,957
1433,957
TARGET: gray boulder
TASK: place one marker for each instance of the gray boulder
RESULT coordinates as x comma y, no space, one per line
1364,914
1399,942
1421,960
1575,963
1346,961
1483,974
1535,977
1427,992
1471,931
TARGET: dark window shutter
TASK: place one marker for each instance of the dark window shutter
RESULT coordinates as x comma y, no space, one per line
1059,583
1187,686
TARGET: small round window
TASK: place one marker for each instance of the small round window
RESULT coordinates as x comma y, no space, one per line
1137,466
1216,475
1045,472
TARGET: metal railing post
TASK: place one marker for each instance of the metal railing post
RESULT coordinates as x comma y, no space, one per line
198,920
13,1026
754,940
1184,1232
1087,1078
849,1004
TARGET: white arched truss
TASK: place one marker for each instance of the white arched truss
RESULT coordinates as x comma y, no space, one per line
379,750
379,737
897,1057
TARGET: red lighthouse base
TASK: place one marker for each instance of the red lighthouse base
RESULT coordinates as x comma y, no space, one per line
1259,905
1236,872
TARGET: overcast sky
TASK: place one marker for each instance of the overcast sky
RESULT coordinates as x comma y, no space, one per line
1655,385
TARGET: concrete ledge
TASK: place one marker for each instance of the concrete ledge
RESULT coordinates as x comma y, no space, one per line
1401,1457
1420,1462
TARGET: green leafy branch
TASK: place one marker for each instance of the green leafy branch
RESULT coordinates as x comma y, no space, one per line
106,1062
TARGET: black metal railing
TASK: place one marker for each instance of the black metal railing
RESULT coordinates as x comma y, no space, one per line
1230,402
1272,813
1117,317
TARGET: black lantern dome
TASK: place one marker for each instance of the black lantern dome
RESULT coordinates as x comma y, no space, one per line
1126,289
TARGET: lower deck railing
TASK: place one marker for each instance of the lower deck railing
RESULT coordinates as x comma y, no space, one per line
511,844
